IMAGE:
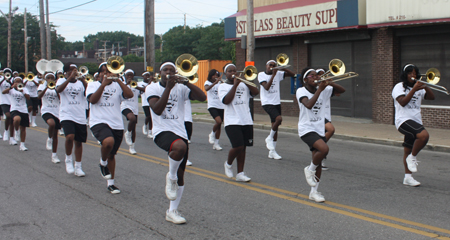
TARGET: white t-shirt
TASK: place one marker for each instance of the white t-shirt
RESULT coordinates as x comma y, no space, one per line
238,111
73,102
187,111
172,118
107,109
50,101
312,120
144,101
327,105
31,87
412,110
5,98
18,100
131,103
213,96
271,96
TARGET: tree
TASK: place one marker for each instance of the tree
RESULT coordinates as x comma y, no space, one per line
132,58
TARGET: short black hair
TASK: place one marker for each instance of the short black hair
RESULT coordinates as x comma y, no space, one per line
211,73
66,67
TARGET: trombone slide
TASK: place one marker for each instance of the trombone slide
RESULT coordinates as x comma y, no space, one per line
432,86
245,81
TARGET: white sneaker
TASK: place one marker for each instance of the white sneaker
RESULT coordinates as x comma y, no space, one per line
128,139
150,135
241,177
175,217
316,196
212,137
33,124
132,151
5,135
171,188
269,143
410,181
188,163
12,141
310,177
324,167
412,163
274,155
79,172
69,166
55,159
49,145
217,147
23,148
61,132
17,136
144,129
228,170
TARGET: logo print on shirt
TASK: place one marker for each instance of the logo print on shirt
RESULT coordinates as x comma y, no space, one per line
17,97
73,92
50,98
108,93
170,107
238,95
316,110
415,102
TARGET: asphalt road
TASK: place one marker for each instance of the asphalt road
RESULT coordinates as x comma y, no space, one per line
365,197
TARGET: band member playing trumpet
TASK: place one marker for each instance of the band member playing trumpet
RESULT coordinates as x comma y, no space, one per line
408,95
311,124
215,106
72,114
50,112
166,100
33,102
147,127
270,81
19,113
235,95
5,101
106,122
130,109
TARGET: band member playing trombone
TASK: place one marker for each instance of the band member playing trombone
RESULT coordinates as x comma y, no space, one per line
408,95
106,122
235,95
329,128
33,102
72,114
130,109
215,106
270,100
147,127
166,100
50,112
311,124
19,113
5,101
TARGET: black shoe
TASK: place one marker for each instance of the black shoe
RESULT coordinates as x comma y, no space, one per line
113,189
105,172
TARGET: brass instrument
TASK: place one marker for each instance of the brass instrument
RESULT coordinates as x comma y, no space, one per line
433,77
7,75
187,67
282,61
336,72
51,84
83,70
20,86
250,74
60,75
133,84
89,78
22,75
157,77
30,76
116,65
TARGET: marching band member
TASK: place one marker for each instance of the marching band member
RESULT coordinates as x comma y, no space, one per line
215,106
19,113
5,100
311,124
166,100
270,100
105,97
408,95
50,113
147,127
130,109
329,128
72,115
33,102
238,121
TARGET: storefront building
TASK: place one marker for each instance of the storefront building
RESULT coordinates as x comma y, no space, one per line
374,38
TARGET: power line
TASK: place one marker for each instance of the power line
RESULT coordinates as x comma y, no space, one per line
73,7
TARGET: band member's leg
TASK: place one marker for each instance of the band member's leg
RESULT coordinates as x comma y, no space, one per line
329,131
420,142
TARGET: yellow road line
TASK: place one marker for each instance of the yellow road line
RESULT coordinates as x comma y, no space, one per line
269,190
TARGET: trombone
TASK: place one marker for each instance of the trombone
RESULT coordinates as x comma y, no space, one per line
187,67
433,77
83,71
282,61
250,73
336,72
89,78
116,65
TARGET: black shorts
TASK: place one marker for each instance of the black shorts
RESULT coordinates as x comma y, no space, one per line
410,129
33,102
327,121
146,111
6,108
127,111
102,131
188,126
240,135
165,140
24,118
216,112
310,138
71,127
48,116
273,110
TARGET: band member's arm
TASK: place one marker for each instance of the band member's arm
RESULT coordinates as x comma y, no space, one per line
26,96
337,89
253,90
42,92
63,86
207,88
142,89
429,95
288,73
35,82
309,103
6,91
127,93
196,92
404,100
230,95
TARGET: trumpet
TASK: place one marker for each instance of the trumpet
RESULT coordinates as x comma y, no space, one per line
282,61
22,75
89,78
116,65
433,77
51,84
133,84
60,75
30,76
7,75
250,73
337,70
20,86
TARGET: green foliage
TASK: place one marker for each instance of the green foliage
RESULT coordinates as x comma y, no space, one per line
132,58
93,67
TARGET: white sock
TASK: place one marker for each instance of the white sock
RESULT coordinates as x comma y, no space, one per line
274,144
103,163
69,157
33,119
272,133
413,157
110,182
216,141
408,175
29,117
212,132
173,168
174,204
77,164
314,189
22,144
313,167
53,154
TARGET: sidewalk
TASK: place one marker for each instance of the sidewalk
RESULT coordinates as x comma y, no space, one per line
355,129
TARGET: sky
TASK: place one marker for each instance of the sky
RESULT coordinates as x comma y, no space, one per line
124,15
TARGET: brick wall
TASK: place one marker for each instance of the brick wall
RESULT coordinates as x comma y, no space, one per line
436,118
241,56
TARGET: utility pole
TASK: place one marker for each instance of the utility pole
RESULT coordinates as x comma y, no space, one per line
104,46
42,27
49,38
149,35
25,40
8,63
250,28
184,27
